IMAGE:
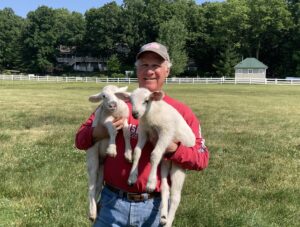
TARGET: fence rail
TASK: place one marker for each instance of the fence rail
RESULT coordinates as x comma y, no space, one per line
172,80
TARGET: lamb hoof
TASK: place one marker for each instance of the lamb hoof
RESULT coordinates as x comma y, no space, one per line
132,179
130,183
150,186
150,189
163,220
128,156
111,151
92,217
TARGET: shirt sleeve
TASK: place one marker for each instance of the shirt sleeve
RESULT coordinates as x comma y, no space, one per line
192,158
84,135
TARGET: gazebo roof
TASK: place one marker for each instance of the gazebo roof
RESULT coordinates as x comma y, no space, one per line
250,63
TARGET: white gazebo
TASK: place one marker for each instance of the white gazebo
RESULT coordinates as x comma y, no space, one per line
250,68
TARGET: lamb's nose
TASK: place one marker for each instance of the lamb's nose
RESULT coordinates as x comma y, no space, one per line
113,104
135,114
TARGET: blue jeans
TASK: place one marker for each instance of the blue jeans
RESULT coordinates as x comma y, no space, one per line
115,211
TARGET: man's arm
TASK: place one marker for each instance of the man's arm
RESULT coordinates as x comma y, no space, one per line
193,158
87,135
84,135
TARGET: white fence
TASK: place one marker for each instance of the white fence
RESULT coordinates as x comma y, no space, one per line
172,80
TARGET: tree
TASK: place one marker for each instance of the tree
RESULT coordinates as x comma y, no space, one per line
173,33
292,51
268,21
227,59
40,40
10,38
102,30
113,64
133,27
70,27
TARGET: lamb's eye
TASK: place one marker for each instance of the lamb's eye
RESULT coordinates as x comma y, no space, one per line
146,102
103,96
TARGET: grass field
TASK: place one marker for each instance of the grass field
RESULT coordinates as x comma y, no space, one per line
253,133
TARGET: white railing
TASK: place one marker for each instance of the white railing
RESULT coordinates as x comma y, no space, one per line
172,80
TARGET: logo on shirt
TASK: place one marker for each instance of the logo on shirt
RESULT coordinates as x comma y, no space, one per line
133,131
202,146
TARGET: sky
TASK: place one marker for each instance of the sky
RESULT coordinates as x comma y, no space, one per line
22,7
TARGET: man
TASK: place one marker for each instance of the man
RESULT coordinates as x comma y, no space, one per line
124,205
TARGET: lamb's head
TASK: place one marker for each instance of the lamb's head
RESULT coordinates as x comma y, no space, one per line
109,97
141,99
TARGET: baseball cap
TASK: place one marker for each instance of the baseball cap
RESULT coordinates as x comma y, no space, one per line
155,47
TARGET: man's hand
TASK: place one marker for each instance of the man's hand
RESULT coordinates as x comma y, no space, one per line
119,123
170,149
100,131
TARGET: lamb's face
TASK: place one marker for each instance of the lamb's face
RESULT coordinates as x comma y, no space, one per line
140,100
109,99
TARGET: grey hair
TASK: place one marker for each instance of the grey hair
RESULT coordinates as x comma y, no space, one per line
169,64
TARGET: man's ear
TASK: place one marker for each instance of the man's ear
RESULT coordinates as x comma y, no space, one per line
96,97
156,95
125,96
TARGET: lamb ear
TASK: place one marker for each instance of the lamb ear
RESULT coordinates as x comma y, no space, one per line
122,89
156,95
96,97
125,96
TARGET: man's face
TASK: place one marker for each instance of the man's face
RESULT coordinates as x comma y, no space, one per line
152,70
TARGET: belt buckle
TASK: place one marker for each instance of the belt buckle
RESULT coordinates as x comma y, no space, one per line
131,197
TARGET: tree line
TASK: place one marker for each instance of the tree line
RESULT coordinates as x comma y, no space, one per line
203,40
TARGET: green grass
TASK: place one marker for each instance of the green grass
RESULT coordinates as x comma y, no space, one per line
252,132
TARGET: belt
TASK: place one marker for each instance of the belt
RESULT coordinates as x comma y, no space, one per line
135,197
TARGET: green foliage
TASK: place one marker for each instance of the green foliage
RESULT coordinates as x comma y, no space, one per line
10,39
227,59
118,75
102,30
113,64
40,40
70,27
208,35
173,34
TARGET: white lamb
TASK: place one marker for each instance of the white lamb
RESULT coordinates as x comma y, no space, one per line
156,117
111,108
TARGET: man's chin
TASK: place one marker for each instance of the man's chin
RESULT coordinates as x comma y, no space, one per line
150,86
